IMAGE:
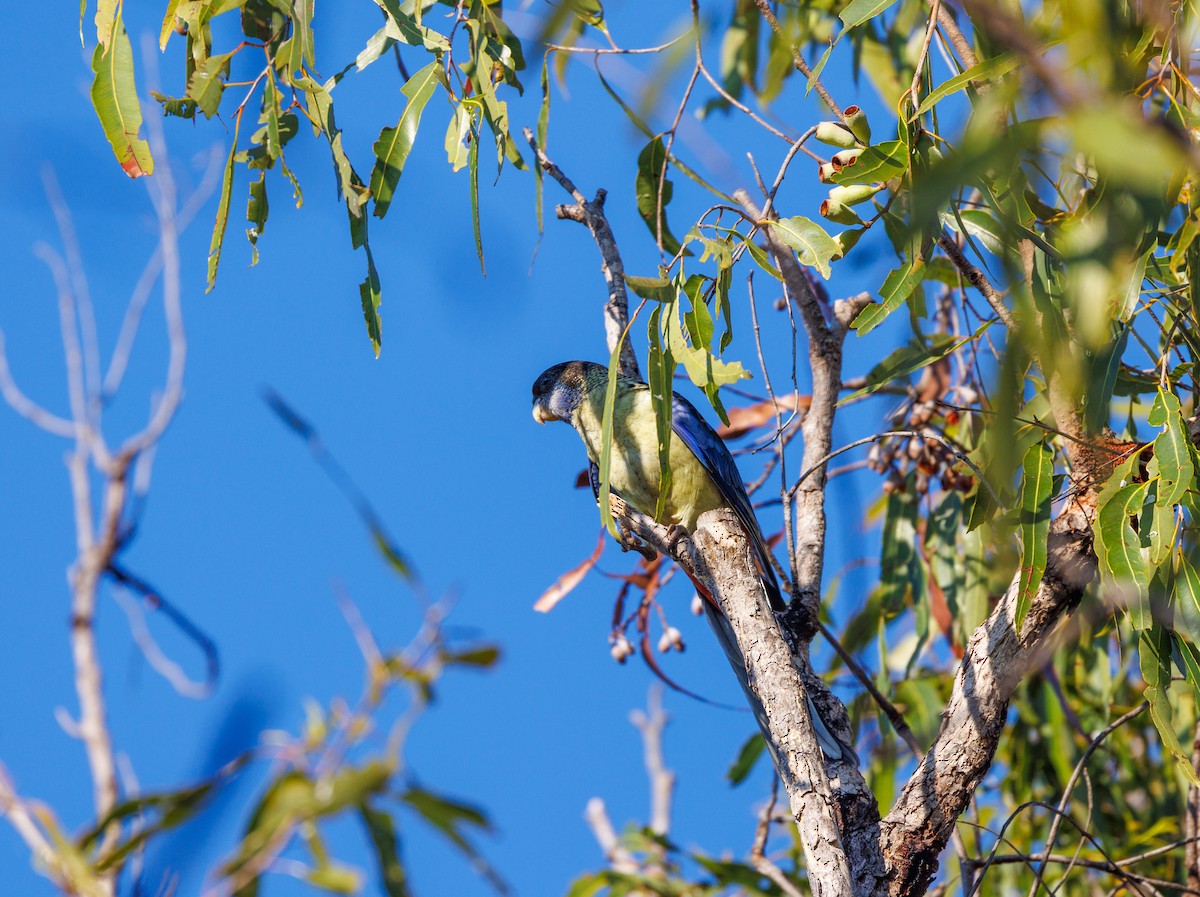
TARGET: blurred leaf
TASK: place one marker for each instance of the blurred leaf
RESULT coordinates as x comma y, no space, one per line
905,360
568,581
483,656
453,818
899,567
385,842
115,99
752,749
1037,472
748,418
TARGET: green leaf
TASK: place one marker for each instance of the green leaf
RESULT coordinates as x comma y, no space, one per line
652,166
1171,448
370,295
900,567
543,123
1037,491
405,28
656,289
606,438
905,360
1122,559
484,656
661,376
813,245
896,289
381,829
257,209
747,757
168,23
207,84
394,144
451,817
881,162
115,99
222,218
987,70
473,168
858,11
1160,713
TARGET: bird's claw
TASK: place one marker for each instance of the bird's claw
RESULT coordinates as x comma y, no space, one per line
626,537
675,535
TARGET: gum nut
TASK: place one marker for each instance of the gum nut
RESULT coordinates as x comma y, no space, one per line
664,643
846,157
826,172
835,133
853,194
856,121
836,211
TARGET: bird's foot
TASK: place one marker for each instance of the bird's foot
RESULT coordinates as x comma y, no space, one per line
626,537
675,535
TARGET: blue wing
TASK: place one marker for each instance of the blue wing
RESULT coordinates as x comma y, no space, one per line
710,449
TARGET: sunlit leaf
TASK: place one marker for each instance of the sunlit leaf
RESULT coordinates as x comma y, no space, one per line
1037,472
813,245
115,99
394,144
897,287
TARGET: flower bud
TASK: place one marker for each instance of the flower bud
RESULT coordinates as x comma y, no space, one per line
621,648
845,157
671,638
697,604
856,121
835,133
836,211
853,194
847,239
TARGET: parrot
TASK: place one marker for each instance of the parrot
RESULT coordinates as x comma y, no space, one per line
704,477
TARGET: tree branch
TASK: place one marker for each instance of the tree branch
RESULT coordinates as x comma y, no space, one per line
591,214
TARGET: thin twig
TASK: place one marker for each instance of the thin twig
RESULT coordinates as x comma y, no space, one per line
591,214
1097,740
919,70
764,7
979,280
758,855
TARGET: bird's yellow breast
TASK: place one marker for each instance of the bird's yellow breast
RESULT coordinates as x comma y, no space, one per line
634,468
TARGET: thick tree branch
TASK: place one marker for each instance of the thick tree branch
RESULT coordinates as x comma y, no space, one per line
591,214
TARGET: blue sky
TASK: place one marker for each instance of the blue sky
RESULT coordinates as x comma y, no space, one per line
244,533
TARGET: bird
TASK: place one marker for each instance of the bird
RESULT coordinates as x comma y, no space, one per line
704,477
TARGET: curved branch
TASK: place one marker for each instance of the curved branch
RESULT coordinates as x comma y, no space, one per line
591,214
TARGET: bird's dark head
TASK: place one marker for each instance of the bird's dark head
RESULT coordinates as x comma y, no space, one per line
560,389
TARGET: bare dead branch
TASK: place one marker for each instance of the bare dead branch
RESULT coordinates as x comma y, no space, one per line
758,856
19,817
26,407
596,816
591,214
662,780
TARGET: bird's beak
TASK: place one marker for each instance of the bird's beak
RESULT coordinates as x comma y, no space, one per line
539,413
